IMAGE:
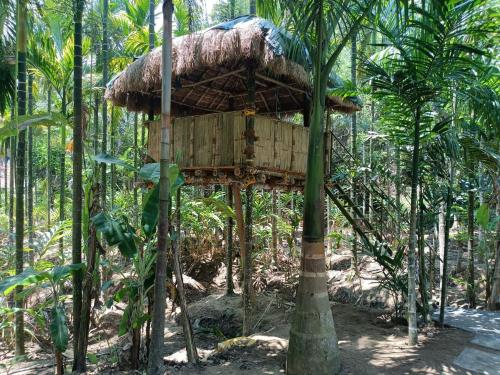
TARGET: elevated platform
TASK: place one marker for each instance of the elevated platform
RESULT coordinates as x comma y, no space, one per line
212,149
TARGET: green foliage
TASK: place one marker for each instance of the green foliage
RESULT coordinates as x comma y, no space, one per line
59,329
483,216
117,232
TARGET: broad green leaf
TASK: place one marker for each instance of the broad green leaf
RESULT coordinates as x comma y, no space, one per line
150,172
124,322
116,232
150,211
59,329
60,272
25,278
483,215
108,159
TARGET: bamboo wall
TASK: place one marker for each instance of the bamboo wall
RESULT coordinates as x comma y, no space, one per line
217,141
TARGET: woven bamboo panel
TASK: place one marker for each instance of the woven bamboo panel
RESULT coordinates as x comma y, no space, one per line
218,140
154,139
299,152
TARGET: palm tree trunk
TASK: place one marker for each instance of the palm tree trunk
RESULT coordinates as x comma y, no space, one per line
412,297
151,25
30,171
49,158
136,164
229,246
5,176
421,257
104,145
112,142
158,317
398,193
232,8
12,177
79,355
274,227
62,186
253,8
471,294
21,33
88,282
446,246
494,300
313,347
354,151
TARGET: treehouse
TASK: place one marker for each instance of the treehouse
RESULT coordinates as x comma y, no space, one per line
234,87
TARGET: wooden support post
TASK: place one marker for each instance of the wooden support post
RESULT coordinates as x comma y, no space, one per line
229,246
250,156
192,353
240,225
274,227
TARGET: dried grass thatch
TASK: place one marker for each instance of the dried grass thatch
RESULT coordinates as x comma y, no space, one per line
208,73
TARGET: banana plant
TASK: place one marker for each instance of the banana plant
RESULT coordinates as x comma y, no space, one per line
136,244
54,277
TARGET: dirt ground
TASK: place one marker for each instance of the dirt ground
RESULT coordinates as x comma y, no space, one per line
369,343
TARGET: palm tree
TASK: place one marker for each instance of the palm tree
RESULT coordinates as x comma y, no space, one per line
325,27
79,354
421,60
21,34
105,62
160,292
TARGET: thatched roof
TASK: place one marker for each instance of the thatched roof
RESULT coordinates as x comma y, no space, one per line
209,73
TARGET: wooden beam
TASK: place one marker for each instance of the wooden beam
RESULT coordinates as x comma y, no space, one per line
195,107
265,101
235,72
258,75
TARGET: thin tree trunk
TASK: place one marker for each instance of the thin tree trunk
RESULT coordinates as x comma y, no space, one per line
398,193
136,164
354,152
247,265
49,160
112,151
12,178
155,363
494,300
192,353
412,298
21,33
313,346
105,62
6,160
229,246
421,257
62,186
471,294
274,228
79,356
253,8
30,165
446,246
88,282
